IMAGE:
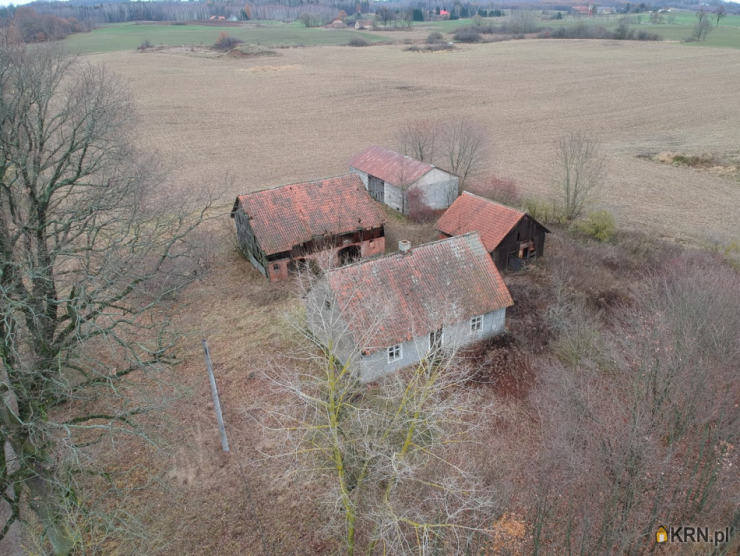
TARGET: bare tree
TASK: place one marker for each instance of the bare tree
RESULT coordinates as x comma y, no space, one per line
393,452
418,139
700,31
578,171
465,145
523,21
90,252
719,13
459,145
702,15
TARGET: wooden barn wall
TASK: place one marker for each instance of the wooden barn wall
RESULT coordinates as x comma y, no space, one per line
526,229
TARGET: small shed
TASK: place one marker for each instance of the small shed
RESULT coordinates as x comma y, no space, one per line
363,24
512,237
391,177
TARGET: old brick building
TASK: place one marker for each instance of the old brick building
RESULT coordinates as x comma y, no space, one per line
282,228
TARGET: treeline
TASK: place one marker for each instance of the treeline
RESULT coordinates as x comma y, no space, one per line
28,25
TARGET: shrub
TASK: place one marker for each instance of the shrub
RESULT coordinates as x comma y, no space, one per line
144,45
358,41
435,47
420,211
501,190
467,34
225,42
599,225
436,36
543,211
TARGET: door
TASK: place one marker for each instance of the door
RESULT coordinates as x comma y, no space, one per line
376,188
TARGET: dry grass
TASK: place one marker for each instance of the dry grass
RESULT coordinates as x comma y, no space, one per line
309,119
265,126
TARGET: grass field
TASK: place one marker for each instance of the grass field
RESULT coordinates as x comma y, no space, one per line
128,36
727,35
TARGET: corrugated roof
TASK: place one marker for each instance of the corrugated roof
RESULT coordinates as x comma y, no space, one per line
389,166
471,213
418,292
290,215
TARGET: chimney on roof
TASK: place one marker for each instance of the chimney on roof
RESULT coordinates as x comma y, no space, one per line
404,246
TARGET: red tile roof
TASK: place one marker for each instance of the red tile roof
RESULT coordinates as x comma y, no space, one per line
290,215
412,294
471,213
389,165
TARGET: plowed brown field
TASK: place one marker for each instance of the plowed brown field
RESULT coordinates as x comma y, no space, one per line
303,115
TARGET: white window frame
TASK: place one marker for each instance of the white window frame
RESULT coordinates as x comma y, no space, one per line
394,353
476,324
441,339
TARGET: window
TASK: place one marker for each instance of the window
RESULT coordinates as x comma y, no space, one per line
276,267
395,353
435,340
476,324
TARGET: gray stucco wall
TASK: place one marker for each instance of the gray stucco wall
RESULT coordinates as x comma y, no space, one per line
439,187
329,326
363,175
376,365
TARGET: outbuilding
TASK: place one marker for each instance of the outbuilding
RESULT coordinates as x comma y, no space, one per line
400,181
512,237
325,222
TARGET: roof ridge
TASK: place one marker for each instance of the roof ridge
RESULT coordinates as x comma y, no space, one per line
305,182
390,255
494,202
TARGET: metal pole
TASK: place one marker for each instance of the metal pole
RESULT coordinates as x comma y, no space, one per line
216,403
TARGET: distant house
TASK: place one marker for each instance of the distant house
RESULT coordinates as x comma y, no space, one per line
282,228
582,10
385,314
513,238
390,177
363,24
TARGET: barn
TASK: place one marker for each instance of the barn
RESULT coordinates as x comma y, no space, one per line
391,177
513,238
327,222
388,313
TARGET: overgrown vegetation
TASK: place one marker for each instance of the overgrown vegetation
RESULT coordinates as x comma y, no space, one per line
583,31
358,41
599,225
226,42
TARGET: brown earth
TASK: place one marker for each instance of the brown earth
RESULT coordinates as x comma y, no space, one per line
212,118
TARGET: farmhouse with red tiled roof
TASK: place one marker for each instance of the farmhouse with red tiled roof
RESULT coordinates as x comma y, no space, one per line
513,238
282,228
391,177
388,313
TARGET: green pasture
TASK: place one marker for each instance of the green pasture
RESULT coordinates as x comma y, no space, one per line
727,35
128,36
